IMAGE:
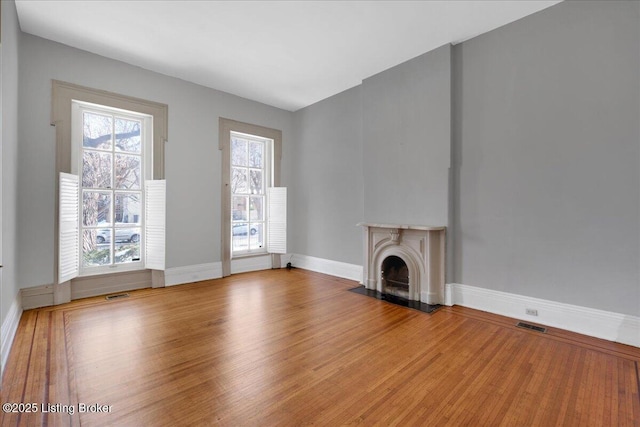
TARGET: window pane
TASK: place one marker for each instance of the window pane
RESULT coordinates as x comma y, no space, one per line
256,182
239,208
127,208
256,234
97,131
238,152
127,235
103,236
128,135
95,251
127,252
96,207
239,180
96,169
128,172
127,246
240,234
255,154
256,213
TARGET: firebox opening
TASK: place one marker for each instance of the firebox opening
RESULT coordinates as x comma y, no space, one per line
395,276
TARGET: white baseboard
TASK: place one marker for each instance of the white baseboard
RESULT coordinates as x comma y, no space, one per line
607,325
9,328
325,266
192,273
37,296
92,286
256,263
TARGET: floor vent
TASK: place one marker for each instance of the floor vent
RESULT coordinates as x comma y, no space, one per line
531,327
117,296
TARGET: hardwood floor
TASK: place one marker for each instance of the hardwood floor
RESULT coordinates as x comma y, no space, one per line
296,348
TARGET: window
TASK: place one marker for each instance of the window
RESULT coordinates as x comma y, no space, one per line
253,206
116,176
250,177
110,153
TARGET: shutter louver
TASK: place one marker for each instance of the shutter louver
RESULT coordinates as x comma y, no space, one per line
277,222
155,224
69,237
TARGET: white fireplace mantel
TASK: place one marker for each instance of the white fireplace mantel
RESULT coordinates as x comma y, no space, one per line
404,226
422,248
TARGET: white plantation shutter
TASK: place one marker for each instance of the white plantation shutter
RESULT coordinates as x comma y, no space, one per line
69,238
277,222
155,223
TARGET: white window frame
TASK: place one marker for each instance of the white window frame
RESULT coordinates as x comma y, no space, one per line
267,182
78,108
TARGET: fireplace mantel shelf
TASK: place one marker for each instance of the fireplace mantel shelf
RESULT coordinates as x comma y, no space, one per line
403,226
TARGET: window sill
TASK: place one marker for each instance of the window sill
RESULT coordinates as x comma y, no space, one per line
249,255
110,271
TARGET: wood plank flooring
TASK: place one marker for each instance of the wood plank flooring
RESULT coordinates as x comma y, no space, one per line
296,348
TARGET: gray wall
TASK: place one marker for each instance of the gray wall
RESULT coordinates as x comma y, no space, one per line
9,155
192,158
326,193
407,136
547,153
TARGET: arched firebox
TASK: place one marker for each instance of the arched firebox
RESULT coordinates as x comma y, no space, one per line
395,277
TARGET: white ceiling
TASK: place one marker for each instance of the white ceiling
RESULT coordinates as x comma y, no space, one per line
288,54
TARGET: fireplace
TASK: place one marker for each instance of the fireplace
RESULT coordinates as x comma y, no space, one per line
406,261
